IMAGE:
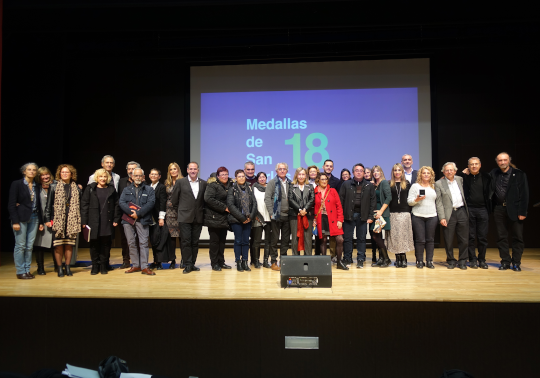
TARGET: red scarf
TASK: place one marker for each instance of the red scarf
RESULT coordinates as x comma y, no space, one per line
302,225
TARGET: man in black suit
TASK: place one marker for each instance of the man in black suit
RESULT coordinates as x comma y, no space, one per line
188,198
510,200
122,184
410,174
478,191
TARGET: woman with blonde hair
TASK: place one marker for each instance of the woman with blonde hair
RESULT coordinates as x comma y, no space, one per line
383,194
63,214
424,218
101,214
301,200
171,217
400,240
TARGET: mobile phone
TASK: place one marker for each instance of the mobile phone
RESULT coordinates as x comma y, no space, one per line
422,192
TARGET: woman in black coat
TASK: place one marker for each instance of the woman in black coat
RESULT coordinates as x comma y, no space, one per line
100,212
242,207
215,216
24,208
158,214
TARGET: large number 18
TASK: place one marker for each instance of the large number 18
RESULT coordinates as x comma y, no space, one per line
308,157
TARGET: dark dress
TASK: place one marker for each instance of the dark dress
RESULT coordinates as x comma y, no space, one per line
172,215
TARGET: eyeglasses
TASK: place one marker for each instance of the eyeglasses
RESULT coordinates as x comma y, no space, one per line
223,175
281,169
137,175
321,179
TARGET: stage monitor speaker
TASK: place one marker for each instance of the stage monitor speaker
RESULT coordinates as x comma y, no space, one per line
306,271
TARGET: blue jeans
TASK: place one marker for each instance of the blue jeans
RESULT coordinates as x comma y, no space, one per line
24,242
361,231
241,240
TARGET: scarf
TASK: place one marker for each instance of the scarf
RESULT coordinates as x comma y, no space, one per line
302,225
259,187
73,215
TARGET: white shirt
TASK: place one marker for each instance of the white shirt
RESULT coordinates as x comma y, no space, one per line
425,208
408,176
457,200
161,213
194,186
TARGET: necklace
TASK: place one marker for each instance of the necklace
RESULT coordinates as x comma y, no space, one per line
398,190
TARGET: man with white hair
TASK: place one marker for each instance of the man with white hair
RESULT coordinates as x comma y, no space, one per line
277,204
453,214
143,196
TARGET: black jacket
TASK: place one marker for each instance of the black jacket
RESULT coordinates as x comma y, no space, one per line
20,194
298,200
347,194
49,210
487,188
335,183
215,198
161,200
90,209
190,209
517,195
235,206
122,184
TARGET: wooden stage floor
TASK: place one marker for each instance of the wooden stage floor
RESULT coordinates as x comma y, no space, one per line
368,284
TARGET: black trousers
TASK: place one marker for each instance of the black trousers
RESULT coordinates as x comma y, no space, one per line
257,238
458,224
252,252
424,236
190,234
218,237
478,230
100,249
503,224
282,227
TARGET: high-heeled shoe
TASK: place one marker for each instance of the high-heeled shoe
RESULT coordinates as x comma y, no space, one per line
159,266
60,271
173,265
385,263
40,262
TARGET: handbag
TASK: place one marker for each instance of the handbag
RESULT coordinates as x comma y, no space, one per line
379,225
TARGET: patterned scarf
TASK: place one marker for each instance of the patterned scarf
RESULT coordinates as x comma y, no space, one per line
276,209
73,216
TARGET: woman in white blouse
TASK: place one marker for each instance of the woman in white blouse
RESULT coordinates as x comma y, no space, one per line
424,218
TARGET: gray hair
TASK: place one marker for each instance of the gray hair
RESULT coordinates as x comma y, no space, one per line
249,162
473,158
285,164
449,163
406,155
131,163
139,168
107,156
23,168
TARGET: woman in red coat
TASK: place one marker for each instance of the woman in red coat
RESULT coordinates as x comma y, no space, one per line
329,217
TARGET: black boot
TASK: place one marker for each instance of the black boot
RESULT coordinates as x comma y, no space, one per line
239,266
95,269
398,261
40,262
256,264
385,261
266,265
60,271
103,267
67,269
403,260
246,266
159,266
173,265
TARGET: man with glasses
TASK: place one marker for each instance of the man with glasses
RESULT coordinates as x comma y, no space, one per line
123,183
277,204
143,196
358,201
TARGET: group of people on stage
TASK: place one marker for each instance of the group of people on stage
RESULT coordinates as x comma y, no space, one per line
48,212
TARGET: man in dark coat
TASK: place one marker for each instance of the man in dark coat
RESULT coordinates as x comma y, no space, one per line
188,198
122,184
510,200
478,191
